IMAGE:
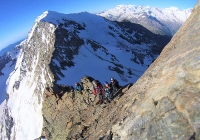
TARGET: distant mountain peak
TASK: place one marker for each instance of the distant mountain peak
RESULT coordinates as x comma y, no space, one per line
173,8
161,21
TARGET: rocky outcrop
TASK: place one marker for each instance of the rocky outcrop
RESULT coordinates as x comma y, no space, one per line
163,104
165,101
76,115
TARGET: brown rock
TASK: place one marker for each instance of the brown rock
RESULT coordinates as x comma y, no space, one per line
169,105
163,104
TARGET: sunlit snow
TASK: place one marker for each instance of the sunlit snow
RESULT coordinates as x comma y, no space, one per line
121,12
24,105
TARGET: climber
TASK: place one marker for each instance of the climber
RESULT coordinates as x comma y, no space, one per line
114,84
78,88
58,91
107,91
98,90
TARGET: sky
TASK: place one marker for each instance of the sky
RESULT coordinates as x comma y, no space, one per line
18,16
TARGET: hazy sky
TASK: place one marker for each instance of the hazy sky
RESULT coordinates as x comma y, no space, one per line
18,16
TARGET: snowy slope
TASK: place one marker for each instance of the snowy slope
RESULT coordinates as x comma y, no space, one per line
8,59
63,48
122,12
88,63
10,47
87,60
7,63
22,116
163,19
117,47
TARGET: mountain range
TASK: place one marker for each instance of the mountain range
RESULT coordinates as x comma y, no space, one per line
61,49
160,21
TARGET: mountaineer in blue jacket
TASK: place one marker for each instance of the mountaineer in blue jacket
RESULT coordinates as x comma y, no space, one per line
107,91
78,88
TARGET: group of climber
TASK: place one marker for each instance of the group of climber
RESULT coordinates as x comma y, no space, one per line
105,92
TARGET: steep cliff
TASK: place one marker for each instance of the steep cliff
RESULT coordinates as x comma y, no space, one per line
163,104
76,115
26,84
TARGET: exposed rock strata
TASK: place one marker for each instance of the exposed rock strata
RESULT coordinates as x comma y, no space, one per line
168,93
163,104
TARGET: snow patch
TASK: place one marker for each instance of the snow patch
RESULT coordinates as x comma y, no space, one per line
6,70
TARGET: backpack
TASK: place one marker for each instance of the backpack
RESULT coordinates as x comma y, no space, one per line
81,85
99,83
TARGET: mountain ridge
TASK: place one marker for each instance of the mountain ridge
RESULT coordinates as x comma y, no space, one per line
60,49
168,91
162,104
86,21
161,21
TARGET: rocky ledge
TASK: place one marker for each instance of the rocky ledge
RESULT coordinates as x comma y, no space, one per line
163,104
77,115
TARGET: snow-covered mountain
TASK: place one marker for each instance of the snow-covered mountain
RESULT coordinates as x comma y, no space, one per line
61,49
160,21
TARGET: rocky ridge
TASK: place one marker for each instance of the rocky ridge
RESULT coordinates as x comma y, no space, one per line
74,38
135,117
53,50
26,84
75,115
163,104
168,102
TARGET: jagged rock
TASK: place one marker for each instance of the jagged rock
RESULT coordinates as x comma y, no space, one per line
75,115
165,100
53,46
71,115
162,104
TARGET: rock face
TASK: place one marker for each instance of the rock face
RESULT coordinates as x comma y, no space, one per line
76,115
26,84
167,105
163,104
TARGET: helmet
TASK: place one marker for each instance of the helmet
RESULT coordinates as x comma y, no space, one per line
105,82
94,82
111,79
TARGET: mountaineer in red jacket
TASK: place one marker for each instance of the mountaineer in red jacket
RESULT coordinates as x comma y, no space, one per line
98,90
